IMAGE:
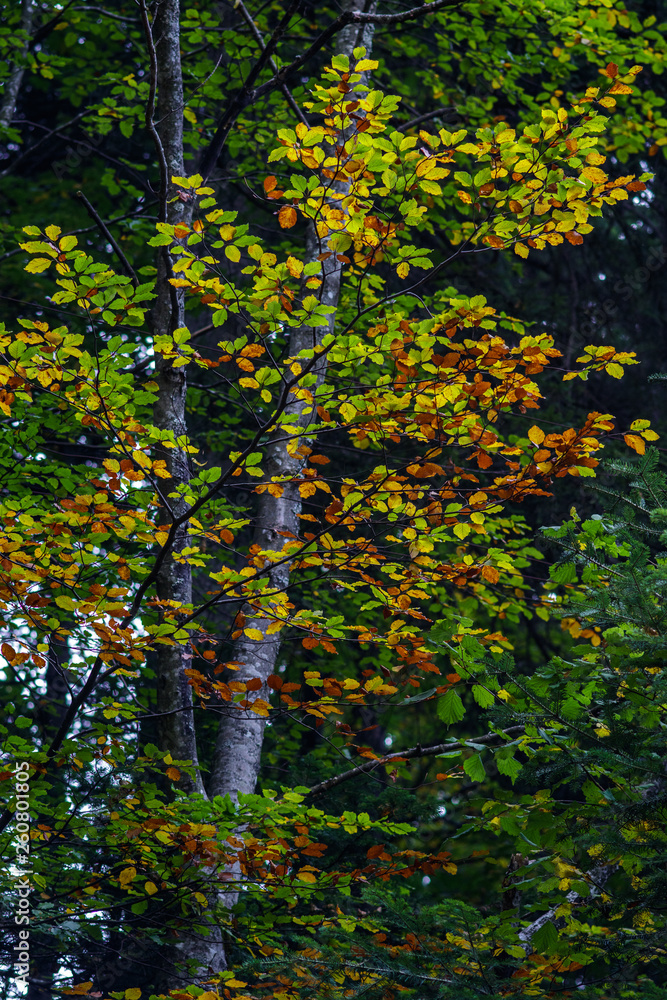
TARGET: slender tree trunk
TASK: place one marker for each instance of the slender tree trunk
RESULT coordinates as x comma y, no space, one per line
13,83
175,726
49,715
239,742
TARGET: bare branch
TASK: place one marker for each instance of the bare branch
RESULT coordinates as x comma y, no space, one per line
127,267
418,751
241,99
424,118
272,63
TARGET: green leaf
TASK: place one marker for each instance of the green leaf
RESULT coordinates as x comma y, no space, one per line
474,768
545,940
483,697
450,708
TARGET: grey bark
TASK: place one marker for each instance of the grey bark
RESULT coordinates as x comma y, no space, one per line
49,714
176,729
13,84
238,748
598,878
175,715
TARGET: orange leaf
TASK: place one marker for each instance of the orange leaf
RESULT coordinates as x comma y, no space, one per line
635,442
611,70
287,217
574,238
426,470
270,183
491,574
173,773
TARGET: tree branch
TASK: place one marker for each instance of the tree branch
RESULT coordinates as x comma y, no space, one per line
272,63
417,751
247,95
241,98
424,118
127,267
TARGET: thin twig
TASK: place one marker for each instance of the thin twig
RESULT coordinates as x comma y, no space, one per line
150,110
240,100
424,118
272,63
127,267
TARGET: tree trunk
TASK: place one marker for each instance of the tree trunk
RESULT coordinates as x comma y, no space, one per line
49,715
175,726
13,84
239,743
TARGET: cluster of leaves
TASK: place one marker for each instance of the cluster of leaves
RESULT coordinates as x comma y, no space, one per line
419,438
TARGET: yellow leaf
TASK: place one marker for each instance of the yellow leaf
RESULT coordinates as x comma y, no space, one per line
150,888
127,875
520,250
594,174
254,633
233,253
80,989
306,876
616,371
53,232
133,993
294,266
260,707
234,982
536,435
38,264
461,530
403,270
